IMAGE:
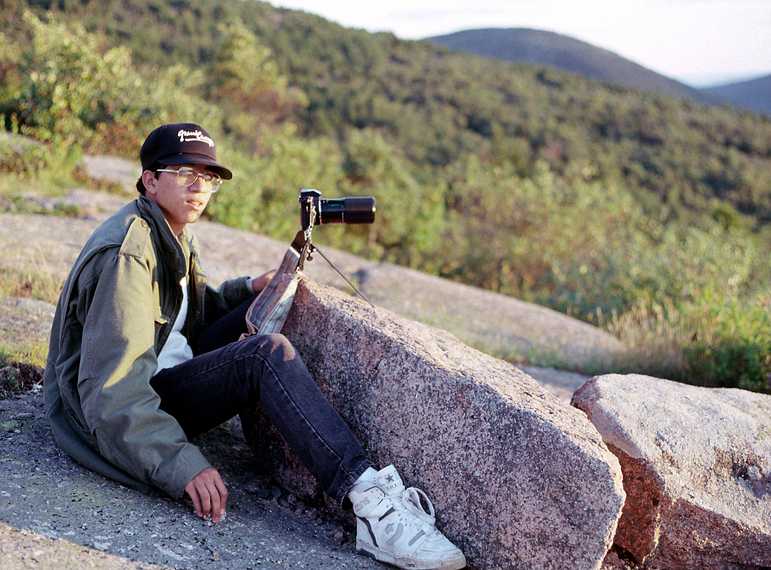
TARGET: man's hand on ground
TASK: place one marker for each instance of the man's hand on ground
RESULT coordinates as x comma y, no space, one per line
259,283
209,494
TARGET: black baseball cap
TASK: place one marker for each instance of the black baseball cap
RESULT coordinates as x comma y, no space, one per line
181,143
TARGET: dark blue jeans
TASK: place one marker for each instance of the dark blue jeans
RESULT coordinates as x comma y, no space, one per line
228,376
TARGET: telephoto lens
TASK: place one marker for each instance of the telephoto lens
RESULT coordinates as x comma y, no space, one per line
348,210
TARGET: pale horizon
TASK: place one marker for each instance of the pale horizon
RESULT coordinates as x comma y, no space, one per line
727,41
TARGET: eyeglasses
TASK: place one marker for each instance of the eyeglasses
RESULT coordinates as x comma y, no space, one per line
186,177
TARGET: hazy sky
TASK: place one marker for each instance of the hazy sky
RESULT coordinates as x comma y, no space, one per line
696,41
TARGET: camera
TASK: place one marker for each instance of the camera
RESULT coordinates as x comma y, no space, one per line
348,210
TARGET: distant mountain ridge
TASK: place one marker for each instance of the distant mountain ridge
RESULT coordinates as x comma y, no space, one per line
540,47
752,94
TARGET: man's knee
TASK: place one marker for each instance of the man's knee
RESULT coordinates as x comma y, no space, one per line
274,346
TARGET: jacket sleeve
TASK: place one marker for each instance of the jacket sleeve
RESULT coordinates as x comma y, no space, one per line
117,362
228,296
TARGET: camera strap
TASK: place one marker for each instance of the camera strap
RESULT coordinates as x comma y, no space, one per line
341,274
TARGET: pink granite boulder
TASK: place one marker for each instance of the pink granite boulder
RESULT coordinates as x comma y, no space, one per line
697,470
519,479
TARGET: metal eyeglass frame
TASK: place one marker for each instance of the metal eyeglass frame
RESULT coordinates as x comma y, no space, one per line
214,180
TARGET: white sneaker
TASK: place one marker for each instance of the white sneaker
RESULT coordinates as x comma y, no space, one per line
398,525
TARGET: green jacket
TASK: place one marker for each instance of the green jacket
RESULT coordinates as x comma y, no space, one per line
114,314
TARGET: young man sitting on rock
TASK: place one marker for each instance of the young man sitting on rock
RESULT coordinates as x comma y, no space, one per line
144,355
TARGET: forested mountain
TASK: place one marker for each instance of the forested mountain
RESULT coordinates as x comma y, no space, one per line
540,47
438,108
644,213
753,94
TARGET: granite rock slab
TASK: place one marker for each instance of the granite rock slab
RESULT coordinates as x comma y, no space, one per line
519,479
697,470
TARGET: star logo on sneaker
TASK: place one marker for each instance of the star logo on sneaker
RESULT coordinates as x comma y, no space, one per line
390,478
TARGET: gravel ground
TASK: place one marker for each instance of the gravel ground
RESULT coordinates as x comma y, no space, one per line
25,549
55,514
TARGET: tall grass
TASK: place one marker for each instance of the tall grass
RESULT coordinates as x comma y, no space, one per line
31,282
21,368
33,354
716,341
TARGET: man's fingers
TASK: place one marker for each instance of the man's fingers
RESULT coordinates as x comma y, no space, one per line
209,494
216,506
259,283
203,492
223,490
192,492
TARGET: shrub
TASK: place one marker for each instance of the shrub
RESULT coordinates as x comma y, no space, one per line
21,368
586,200
718,340
731,346
26,164
68,88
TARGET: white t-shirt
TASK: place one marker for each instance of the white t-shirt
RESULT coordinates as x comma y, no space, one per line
176,350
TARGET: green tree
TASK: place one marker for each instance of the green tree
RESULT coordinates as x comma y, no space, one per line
68,88
246,81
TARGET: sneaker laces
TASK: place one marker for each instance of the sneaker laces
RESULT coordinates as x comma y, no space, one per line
418,503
